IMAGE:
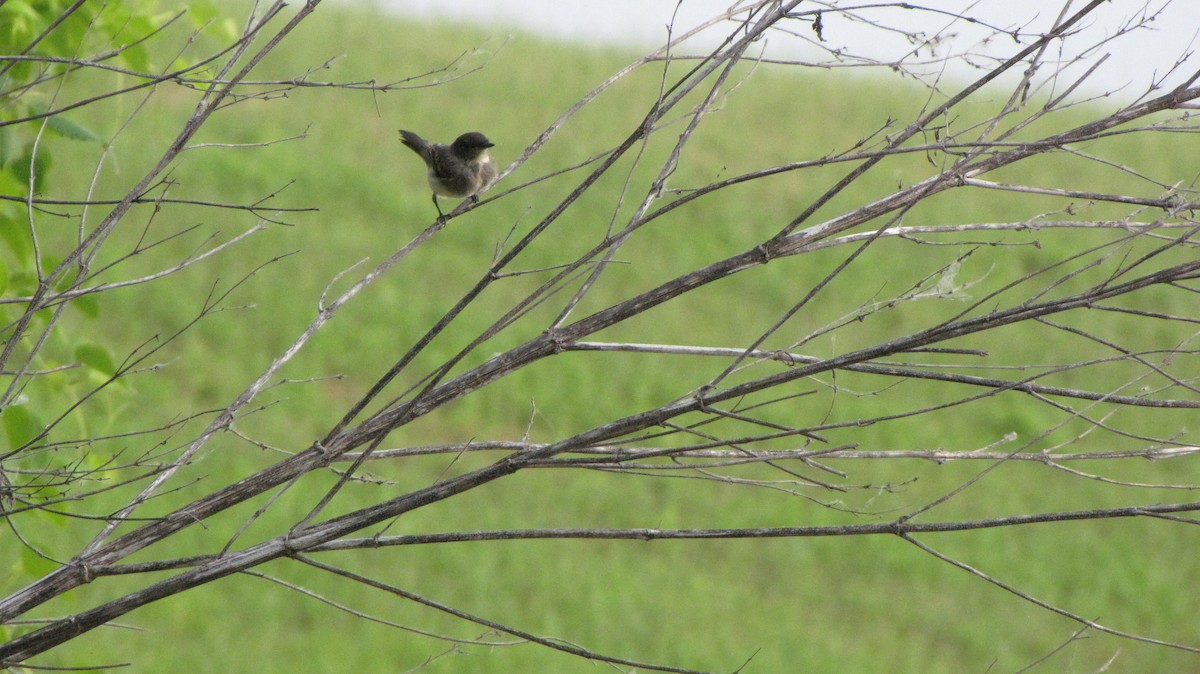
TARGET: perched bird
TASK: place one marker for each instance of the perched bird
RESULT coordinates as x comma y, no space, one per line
461,169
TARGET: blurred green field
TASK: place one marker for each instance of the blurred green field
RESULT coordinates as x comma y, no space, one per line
824,605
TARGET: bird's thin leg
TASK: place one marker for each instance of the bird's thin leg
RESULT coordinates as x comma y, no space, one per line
441,215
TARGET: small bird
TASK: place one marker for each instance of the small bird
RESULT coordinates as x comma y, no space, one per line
461,169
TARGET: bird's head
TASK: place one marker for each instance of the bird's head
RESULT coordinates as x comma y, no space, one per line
471,145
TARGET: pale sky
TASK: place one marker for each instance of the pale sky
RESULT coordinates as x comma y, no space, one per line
642,23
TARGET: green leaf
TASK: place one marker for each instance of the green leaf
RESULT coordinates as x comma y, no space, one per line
68,129
21,20
9,184
202,13
8,144
96,357
88,305
208,15
41,167
23,282
137,57
20,425
51,262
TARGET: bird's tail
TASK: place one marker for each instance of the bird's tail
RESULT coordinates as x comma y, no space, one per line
414,142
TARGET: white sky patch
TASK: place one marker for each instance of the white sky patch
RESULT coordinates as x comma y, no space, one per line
1135,60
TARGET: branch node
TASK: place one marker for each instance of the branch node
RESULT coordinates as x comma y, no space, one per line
555,336
765,251
86,574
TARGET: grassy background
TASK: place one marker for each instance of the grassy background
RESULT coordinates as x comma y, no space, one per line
859,604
